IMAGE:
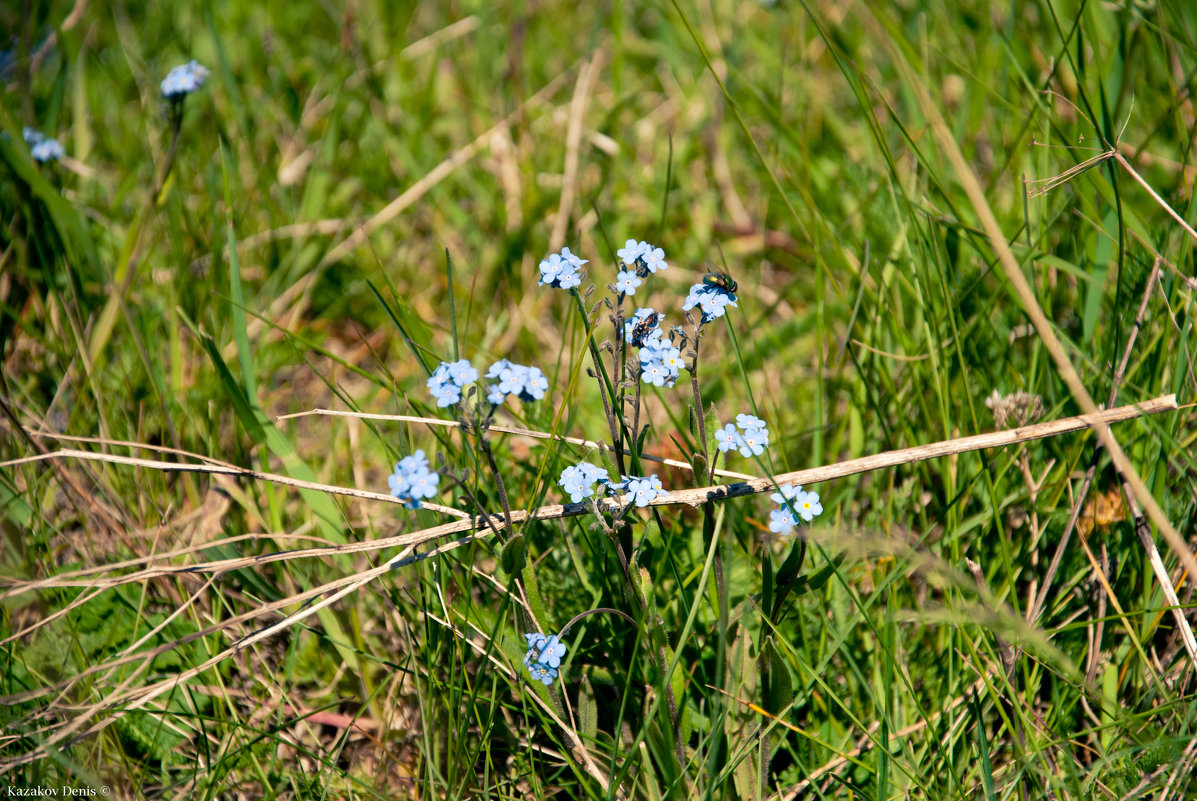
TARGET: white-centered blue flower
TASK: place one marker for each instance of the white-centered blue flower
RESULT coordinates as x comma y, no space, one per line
544,656
728,438
630,252
562,270
626,282
782,521
753,442
653,258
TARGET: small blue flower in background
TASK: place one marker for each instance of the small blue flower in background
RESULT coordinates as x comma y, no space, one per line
794,503
43,148
562,270
47,150
711,300
183,80
526,383
627,281
544,657
448,380
642,258
412,480
578,481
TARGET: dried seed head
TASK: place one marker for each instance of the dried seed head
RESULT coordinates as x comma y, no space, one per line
1012,411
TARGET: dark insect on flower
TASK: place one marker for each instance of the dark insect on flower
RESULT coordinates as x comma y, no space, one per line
643,328
720,280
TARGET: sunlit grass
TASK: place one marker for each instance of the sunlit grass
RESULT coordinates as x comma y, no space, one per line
358,194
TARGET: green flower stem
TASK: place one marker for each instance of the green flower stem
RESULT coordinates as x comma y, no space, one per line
484,444
606,389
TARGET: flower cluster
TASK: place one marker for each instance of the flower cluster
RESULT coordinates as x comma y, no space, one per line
449,379
412,480
640,490
563,270
711,299
543,659
642,258
526,383
660,362
43,148
183,80
751,437
578,481
793,503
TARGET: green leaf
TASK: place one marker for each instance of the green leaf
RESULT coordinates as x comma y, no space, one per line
775,676
640,439
816,580
514,555
587,710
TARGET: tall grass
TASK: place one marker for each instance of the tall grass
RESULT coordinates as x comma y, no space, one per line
922,204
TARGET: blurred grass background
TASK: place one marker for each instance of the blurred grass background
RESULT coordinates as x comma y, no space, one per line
357,153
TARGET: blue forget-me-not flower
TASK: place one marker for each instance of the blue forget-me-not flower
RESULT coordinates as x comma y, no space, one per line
543,659
183,80
640,490
627,281
794,503
660,362
642,257
728,438
711,300
578,481
563,270
412,480
43,148
749,435
448,380
526,383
